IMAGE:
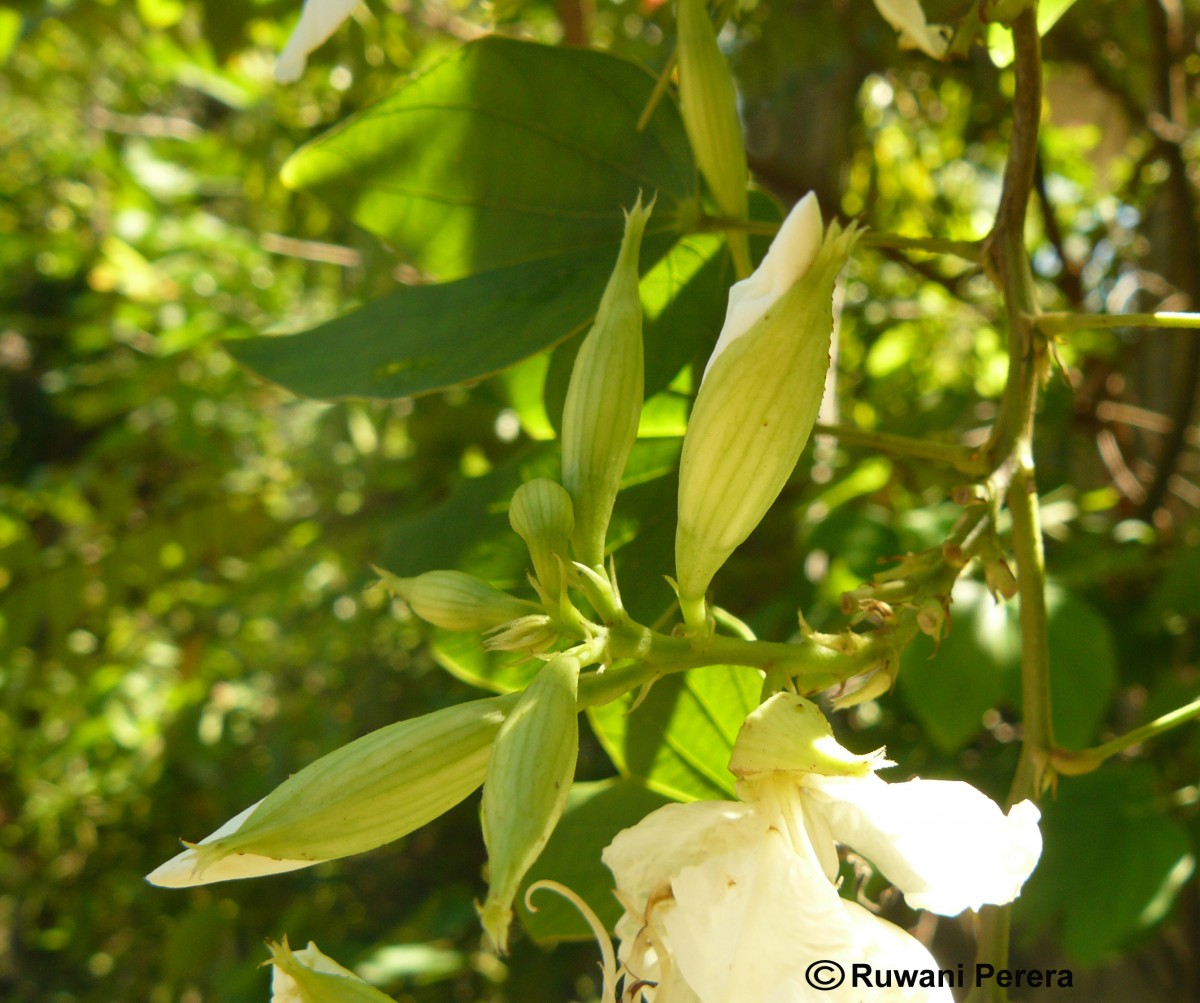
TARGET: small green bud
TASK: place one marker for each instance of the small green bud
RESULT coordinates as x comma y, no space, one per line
454,600
604,398
374,790
310,976
542,515
708,102
758,399
527,785
790,734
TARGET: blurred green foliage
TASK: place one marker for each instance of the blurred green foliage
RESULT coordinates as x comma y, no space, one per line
185,610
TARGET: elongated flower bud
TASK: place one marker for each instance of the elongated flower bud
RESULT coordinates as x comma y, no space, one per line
604,398
311,976
374,790
758,399
541,514
708,102
454,600
527,785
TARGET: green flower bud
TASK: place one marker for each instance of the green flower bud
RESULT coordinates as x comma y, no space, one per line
790,734
542,515
708,102
310,976
604,398
454,600
374,790
758,399
527,785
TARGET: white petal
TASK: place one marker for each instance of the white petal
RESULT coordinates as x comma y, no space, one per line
945,845
884,945
646,856
180,870
790,255
747,924
908,18
318,20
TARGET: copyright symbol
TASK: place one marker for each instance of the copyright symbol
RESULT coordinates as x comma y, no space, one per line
824,975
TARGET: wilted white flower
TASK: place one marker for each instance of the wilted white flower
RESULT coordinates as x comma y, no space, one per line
908,18
732,902
318,20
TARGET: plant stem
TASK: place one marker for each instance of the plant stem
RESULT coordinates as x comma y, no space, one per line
1010,450
968,250
961,458
1063,323
1075,762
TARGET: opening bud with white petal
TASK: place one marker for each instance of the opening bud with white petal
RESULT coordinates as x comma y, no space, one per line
908,18
708,103
758,399
311,976
367,793
542,515
455,600
527,785
318,20
604,398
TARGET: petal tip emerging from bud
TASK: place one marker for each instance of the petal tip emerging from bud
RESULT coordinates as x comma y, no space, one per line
789,257
318,20
908,18
188,868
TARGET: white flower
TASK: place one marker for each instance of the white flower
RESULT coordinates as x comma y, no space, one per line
730,902
789,257
318,20
908,18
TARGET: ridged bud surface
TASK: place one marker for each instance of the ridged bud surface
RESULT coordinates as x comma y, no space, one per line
756,407
311,976
542,515
604,398
455,600
527,785
708,103
374,790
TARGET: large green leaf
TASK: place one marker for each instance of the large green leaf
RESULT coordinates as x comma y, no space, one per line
505,152
1113,862
423,338
678,740
595,813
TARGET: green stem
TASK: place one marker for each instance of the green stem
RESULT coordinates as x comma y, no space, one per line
968,250
961,458
1073,763
1063,323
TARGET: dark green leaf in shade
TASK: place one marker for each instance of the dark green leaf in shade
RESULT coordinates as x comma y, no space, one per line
1112,866
949,689
679,739
506,152
1083,668
418,339
595,813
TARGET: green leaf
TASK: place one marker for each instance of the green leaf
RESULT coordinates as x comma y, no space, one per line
999,36
1083,668
506,152
679,738
465,658
595,813
950,688
1113,864
419,339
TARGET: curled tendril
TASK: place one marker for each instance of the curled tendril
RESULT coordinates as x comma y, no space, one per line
608,958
